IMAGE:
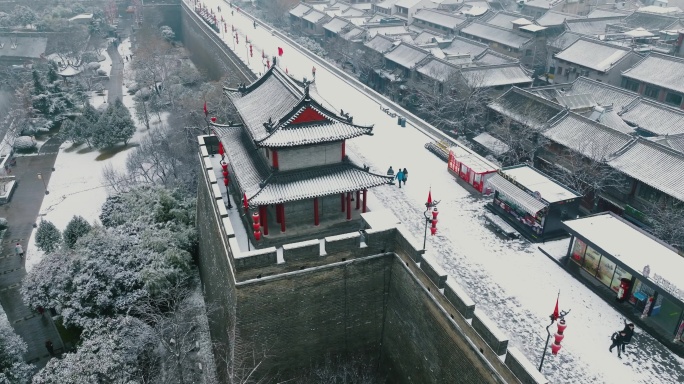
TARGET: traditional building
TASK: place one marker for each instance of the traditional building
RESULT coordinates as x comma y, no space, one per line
287,156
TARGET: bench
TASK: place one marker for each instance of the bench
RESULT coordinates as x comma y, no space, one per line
501,225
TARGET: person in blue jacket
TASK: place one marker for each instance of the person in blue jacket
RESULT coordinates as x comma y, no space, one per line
400,177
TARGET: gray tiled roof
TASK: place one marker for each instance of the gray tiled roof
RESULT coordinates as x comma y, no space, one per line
525,108
661,70
503,19
335,25
250,170
443,19
495,75
353,33
495,34
564,40
315,16
598,13
590,27
518,196
460,45
649,21
609,117
426,37
576,101
26,46
312,182
593,54
271,96
438,70
554,18
300,10
406,55
675,142
654,117
380,43
660,167
603,93
584,136
490,57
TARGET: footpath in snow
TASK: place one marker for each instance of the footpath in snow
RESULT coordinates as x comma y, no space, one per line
511,280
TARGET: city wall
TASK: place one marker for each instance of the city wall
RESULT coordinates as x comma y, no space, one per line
371,292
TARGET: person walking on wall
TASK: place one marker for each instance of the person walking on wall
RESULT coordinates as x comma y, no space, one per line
390,173
400,177
629,332
405,176
618,339
50,348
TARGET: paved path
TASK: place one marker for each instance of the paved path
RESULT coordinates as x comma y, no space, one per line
115,84
22,213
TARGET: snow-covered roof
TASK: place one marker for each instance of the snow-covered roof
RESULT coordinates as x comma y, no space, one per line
593,54
650,21
609,117
407,3
654,117
380,43
604,94
495,75
426,37
576,101
555,18
590,27
315,16
532,28
354,33
586,137
23,46
439,70
533,180
661,70
503,19
638,32
335,25
406,55
82,17
525,108
493,144
634,248
69,71
440,18
564,40
300,10
490,57
495,34
660,167
518,196
598,13
460,46
472,160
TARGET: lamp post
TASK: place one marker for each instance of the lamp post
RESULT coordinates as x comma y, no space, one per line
40,177
558,336
430,217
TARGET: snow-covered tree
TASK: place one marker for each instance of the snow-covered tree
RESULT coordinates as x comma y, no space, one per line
114,126
110,353
24,143
47,237
23,15
13,369
167,33
75,229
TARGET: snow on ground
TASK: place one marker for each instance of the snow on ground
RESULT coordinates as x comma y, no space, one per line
106,64
511,280
77,186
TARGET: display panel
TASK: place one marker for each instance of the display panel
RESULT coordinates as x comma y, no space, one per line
591,260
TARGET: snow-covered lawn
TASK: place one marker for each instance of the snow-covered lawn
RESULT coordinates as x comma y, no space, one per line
77,186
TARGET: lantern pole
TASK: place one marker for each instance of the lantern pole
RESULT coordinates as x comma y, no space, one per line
428,220
561,316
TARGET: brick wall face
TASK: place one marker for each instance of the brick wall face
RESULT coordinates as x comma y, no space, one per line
419,345
302,317
309,156
214,267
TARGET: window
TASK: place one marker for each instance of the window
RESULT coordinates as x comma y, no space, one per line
631,85
651,91
649,193
560,70
578,249
674,99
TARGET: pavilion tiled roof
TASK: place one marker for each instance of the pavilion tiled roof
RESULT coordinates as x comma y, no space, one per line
318,181
525,108
495,34
406,55
593,54
460,46
270,107
661,70
654,117
263,186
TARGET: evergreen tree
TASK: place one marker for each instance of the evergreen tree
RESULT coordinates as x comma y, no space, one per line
47,237
38,86
52,75
13,369
114,126
77,228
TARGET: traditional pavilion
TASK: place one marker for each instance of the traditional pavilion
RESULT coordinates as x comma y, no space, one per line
287,154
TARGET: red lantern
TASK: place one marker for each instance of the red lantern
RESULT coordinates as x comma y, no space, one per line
226,180
213,119
224,165
433,231
555,348
250,51
257,235
435,212
558,337
225,173
255,218
561,326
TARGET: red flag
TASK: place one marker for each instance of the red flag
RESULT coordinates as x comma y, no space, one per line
555,311
206,111
280,51
245,202
429,202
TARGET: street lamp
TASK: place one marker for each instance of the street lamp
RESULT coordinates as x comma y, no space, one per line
430,217
40,177
558,336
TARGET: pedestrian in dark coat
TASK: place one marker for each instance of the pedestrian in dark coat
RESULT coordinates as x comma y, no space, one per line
50,348
629,332
618,338
400,177
405,175
390,172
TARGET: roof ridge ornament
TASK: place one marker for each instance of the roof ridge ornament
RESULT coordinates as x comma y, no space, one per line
269,124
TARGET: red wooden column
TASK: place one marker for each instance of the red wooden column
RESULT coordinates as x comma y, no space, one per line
342,202
316,222
365,200
344,149
277,207
275,159
358,200
348,205
282,218
264,219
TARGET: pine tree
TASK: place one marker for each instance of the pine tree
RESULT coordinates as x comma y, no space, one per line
52,75
77,228
47,237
